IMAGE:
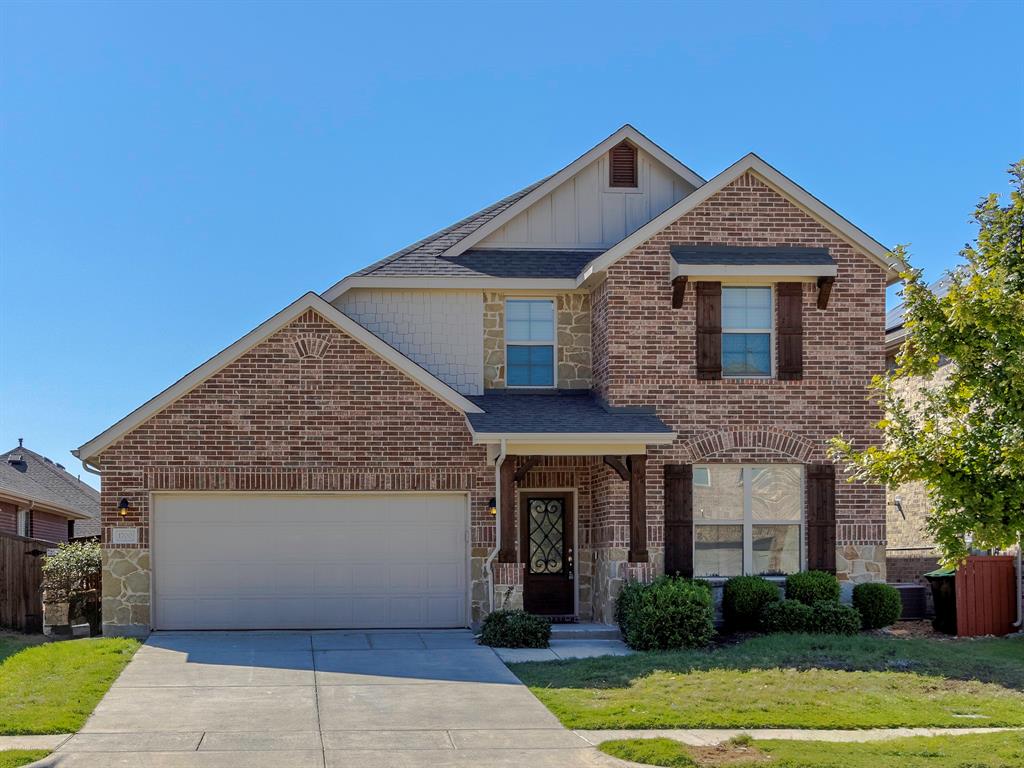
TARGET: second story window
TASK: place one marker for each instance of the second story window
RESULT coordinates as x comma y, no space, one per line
746,331
530,342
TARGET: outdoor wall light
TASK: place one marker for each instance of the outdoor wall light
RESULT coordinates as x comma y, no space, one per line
122,506
492,506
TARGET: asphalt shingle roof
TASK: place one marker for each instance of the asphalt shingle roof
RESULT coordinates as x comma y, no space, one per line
38,477
554,412
749,256
421,258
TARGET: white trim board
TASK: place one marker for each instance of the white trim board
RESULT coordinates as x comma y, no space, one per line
389,354
777,181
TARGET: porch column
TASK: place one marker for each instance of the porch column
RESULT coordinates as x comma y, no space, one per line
637,508
507,553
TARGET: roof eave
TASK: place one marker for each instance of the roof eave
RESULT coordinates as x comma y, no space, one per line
582,438
44,505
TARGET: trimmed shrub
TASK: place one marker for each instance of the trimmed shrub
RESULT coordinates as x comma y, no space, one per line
515,629
879,604
833,618
666,614
810,587
743,599
787,616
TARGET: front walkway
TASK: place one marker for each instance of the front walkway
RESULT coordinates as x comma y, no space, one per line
320,699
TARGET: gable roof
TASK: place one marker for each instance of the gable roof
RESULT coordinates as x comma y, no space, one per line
774,179
32,478
183,386
437,255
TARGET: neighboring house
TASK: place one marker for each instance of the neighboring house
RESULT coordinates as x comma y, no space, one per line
41,500
911,552
621,370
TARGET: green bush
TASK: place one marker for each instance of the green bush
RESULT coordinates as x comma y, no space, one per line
666,614
65,572
810,587
879,604
787,616
832,618
743,599
515,629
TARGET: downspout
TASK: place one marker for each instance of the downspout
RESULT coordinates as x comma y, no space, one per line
497,526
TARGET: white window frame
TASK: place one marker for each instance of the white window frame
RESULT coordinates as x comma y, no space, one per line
24,523
770,330
748,522
553,343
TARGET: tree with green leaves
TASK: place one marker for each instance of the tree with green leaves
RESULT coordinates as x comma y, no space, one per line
962,431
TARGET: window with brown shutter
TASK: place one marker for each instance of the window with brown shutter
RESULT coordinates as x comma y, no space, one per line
821,517
790,330
679,519
622,165
709,330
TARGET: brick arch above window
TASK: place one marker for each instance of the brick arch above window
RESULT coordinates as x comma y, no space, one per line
727,441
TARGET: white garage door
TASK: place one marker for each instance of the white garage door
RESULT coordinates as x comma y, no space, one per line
255,561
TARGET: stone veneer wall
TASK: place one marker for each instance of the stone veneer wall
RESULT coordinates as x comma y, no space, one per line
644,354
573,342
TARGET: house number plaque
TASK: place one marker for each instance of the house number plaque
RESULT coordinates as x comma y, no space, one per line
124,536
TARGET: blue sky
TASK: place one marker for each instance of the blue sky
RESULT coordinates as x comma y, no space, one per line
173,174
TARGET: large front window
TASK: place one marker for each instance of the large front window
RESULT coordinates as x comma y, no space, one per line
746,331
747,519
530,342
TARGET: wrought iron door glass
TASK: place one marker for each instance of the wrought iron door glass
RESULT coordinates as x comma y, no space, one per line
546,535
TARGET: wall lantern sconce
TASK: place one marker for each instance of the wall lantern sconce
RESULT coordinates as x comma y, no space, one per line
122,507
492,506
898,503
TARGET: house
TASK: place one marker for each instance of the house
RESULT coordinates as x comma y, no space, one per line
42,500
621,370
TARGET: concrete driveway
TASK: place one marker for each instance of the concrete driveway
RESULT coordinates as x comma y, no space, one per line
320,699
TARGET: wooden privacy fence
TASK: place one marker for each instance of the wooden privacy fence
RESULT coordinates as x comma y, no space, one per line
21,574
986,595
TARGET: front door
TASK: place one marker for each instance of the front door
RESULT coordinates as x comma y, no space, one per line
547,544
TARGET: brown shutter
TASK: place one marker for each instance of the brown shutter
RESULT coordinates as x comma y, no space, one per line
622,165
679,519
709,330
790,325
821,517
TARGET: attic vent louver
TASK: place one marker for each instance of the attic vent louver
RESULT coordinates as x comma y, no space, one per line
622,165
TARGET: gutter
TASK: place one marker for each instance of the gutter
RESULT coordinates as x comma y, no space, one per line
489,574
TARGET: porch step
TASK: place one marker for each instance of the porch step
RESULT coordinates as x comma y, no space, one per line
584,631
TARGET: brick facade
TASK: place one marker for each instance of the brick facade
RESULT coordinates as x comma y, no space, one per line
645,354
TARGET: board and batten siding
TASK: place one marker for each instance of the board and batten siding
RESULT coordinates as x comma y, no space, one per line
585,212
440,330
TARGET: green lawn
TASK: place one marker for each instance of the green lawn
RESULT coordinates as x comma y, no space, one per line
52,688
990,750
11,643
12,758
792,681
